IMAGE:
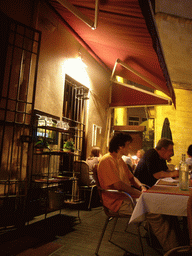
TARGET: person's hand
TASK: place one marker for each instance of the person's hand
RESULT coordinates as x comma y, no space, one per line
136,194
175,174
143,189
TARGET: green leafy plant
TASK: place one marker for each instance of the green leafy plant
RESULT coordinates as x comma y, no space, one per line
42,143
69,145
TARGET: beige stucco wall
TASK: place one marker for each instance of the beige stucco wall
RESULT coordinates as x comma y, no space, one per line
180,122
174,22
176,38
58,46
180,8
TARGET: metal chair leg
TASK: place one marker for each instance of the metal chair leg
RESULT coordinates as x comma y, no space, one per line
113,228
140,240
126,225
90,198
138,231
101,236
79,216
149,234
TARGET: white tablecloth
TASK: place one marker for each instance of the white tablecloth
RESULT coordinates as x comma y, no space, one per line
159,203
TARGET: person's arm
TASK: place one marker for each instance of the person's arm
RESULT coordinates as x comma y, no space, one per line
163,174
159,173
120,185
137,184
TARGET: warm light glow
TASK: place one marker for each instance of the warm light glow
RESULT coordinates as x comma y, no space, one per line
119,116
120,113
76,69
119,79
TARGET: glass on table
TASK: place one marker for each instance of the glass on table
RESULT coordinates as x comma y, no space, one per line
184,176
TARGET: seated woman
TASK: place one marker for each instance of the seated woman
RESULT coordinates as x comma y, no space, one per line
189,153
189,159
139,155
128,160
93,160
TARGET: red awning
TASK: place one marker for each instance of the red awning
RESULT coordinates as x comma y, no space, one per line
123,96
126,31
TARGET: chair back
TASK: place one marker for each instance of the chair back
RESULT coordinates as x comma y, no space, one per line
95,176
189,218
81,170
101,190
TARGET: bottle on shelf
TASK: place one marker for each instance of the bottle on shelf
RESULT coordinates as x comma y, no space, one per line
183,174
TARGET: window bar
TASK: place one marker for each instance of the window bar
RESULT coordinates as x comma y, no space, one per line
80,106
16,114
70,103
20,155
72,99
19,88
17,100
6,104
28,77
67,99
75,104
13,129
76,117
80,99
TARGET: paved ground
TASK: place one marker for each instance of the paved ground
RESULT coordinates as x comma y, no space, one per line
82,239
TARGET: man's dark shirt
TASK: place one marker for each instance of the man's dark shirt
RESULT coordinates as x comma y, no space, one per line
149,164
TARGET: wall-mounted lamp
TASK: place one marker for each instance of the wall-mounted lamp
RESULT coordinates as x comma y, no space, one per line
77,69
81,60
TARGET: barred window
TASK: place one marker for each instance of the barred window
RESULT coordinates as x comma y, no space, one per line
74,112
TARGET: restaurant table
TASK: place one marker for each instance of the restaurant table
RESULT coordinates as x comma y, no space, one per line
164,197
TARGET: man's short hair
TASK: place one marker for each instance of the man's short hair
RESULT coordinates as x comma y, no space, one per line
118,140
164,143
189,151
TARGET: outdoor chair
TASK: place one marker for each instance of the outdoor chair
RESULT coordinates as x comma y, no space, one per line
184,250
114,215
81,168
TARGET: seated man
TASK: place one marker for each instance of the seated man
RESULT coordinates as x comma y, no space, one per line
153,166
113,173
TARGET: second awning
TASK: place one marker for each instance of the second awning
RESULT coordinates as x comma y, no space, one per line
123,95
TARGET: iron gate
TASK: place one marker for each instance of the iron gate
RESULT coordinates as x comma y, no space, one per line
18,74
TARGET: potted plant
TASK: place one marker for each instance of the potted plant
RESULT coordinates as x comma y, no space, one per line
68,145
42,144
